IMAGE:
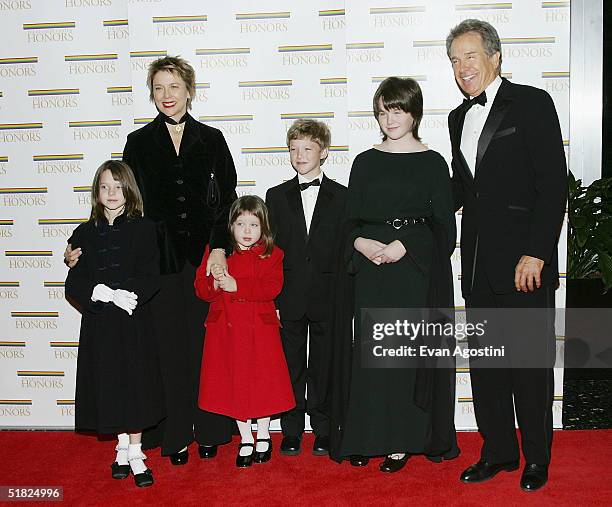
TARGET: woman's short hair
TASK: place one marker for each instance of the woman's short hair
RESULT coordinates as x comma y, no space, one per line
175,65
255,206
488,34
123,174
400,93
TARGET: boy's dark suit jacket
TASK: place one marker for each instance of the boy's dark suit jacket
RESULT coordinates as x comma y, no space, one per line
514,204
310,259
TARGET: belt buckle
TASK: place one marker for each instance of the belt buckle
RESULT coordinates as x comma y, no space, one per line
397,223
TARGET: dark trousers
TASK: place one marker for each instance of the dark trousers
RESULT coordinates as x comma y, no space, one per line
313,372
180,328
529,339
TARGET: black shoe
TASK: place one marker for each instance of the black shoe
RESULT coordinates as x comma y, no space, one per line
180,458
391,465
290,446
321,446
483,471
359,461
262,457
119,471
438,458
207,451
534,477
244,461
144,479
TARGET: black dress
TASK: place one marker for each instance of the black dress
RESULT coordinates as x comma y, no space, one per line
118,376
188,196
380,415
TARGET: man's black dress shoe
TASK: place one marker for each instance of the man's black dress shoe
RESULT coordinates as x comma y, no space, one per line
290,446
207,451
120,471
483,471
244,461
534,477
321,446
359,461
391,465
180,458
262,457
144,479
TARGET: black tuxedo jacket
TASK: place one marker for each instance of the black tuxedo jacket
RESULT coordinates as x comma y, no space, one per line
514,204
175,189
310,259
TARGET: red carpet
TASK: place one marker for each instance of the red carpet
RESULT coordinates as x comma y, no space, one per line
580,475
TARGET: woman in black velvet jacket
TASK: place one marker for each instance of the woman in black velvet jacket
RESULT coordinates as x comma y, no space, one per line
187,178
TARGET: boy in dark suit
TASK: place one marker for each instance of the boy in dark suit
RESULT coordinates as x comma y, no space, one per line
306,212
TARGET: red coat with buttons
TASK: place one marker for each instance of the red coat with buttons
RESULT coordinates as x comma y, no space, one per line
244,372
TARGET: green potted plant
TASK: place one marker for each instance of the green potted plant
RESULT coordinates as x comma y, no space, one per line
589,241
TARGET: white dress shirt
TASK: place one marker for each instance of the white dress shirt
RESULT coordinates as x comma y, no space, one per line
474,122
309,198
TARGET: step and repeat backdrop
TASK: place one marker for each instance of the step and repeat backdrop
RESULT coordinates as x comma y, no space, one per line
72,86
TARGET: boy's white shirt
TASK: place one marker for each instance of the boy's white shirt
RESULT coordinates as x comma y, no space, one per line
309,197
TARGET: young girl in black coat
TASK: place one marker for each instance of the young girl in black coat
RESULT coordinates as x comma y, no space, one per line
118,386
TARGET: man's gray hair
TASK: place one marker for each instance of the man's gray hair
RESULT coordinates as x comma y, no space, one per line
488,33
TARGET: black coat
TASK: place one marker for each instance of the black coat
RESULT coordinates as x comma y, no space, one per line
118,386
514,204
179,192
310,259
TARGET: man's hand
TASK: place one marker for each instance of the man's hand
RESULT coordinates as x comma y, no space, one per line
393,252
527,274
71,257
368,247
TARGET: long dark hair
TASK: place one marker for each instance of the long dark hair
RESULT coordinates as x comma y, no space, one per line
123,174
255,206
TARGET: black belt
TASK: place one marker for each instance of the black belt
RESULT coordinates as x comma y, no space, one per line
398,223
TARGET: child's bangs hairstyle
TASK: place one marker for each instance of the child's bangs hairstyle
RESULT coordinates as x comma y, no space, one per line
315,131
255,206
123,174
400,93
178,66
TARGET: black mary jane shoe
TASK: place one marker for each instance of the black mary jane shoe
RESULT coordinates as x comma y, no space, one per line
180,458
145,479
119,471
245,461
391,465
207,451
359,461
262,457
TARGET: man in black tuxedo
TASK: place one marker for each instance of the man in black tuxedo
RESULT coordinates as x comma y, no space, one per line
305,213
510,177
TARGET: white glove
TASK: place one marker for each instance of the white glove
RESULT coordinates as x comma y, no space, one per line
102,293
125,300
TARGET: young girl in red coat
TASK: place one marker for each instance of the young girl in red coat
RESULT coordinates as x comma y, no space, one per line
244,371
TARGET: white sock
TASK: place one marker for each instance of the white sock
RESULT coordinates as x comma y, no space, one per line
263,432
246,437
136,458
122,448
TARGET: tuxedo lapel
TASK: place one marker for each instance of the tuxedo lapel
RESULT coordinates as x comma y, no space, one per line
323,199
294,201
456,143
496,115
191,136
